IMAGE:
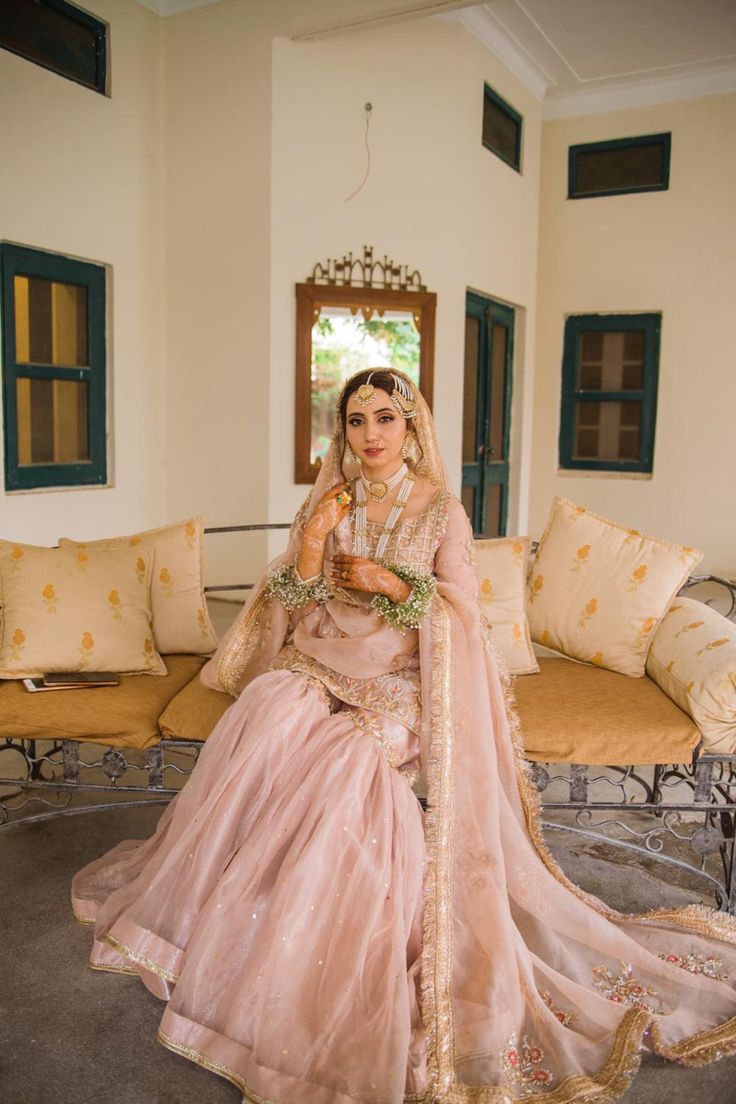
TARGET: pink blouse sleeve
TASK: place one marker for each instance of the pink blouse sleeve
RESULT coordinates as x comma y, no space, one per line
455,557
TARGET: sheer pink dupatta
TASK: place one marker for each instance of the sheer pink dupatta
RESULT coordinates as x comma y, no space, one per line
529,985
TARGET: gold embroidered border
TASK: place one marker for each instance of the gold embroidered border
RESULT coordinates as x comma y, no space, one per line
241,648
214,1067
147,963
437,1013
113,969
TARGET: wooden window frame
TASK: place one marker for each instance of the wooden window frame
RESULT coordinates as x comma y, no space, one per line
664,139
575,325
503,105
100,29
16,260
310,298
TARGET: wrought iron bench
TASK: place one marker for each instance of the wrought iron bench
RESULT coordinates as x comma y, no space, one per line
682,815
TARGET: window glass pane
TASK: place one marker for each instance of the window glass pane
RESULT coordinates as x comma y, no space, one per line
611,361
59,40
621,167
499,340
50,323
500,131
52,421
470,388
607,430
493,510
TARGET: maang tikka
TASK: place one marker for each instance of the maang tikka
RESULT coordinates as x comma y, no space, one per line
401,396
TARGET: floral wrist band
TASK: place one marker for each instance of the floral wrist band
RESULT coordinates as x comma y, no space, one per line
408,614
292,592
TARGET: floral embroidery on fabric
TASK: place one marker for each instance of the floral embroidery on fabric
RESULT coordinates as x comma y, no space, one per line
590,610
713,644
190,535
470,552
638,575
16,557
164,577
521,1064
17,643
82,560
537,584
689,627
517,551
697,964
86,647
113,601
565,1018
50,598
149,653
598,659
623,988
581,557
140,569
645,631
632,534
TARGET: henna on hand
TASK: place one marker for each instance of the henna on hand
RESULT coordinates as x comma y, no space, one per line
326,516
357,573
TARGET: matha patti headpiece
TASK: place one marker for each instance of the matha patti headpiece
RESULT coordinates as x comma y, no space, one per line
401,396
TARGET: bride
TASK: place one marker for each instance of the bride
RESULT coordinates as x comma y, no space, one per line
321,940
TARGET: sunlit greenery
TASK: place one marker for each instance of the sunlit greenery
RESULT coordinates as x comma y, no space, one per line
345,344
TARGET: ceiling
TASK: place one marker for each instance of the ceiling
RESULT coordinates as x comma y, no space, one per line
577,56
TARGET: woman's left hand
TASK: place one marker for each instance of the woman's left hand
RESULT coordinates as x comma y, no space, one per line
357,573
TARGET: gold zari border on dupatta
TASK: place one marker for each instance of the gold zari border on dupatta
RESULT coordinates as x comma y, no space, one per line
242,647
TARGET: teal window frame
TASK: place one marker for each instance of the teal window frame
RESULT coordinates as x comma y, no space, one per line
16,260
28,32
575,325
574,152
491,95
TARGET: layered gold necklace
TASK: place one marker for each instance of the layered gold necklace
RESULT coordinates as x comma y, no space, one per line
360,532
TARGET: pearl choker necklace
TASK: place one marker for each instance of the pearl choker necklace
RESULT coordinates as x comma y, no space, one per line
380,488
360,518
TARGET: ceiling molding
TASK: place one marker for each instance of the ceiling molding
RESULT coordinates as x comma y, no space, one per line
640,93
175,7
481,23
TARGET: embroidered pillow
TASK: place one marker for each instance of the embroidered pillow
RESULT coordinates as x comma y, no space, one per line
180,619
598,590
693,659
68,609
501,566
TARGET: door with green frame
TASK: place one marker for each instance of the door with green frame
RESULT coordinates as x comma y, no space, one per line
489,347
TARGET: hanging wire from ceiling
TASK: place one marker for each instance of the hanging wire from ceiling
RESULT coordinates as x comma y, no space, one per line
368,109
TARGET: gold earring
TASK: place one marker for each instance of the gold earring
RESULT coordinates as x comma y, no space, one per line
349,456
350,463
410,448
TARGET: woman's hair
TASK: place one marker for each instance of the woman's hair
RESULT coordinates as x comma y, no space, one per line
379,377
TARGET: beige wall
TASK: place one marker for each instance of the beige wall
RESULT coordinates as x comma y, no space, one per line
82,175
667,251
435,199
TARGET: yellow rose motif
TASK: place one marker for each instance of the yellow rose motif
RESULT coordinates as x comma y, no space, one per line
148,653
645,631
713,645
486,589
517,634
517,551
16,557
86,649
638,575
202,622
82,560
545,639
164,577
581,557
190,535
537,584
134,542
140,569
50,599
17,641
689,628
631,534
589,611
115,604
677,606
577,512
598,659
686,554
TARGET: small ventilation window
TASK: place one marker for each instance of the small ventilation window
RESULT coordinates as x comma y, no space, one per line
501,128
57,36
619,167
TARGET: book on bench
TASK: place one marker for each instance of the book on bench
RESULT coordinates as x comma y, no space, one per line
71,680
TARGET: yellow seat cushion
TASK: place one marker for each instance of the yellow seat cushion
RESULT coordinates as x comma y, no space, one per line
120,716
572,713
194,712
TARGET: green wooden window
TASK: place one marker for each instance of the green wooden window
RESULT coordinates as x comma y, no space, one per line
57,36
619,167
610,367
54,369
501,128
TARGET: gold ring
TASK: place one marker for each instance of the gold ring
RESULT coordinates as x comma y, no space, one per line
344,498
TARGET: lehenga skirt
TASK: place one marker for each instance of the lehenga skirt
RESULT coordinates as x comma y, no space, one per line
278,906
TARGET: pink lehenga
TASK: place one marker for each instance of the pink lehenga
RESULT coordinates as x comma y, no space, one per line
320,940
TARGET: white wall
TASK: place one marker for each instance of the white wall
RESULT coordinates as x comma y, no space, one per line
435,199
672,252
82,175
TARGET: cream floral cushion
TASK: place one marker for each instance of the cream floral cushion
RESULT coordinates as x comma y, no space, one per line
180,619
598,590
693,659
501,565
69,609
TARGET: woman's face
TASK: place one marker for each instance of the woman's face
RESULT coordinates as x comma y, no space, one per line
376,432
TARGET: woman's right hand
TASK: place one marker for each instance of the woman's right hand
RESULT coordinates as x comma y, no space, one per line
324,518
328,513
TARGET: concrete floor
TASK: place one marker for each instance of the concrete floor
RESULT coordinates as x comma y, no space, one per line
71,1035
